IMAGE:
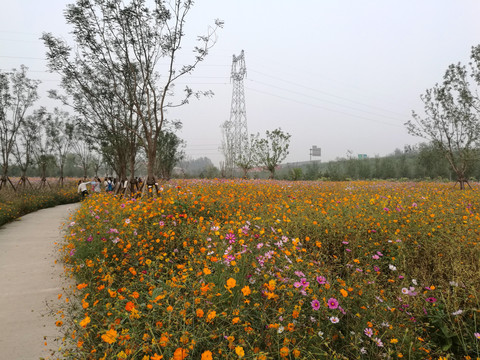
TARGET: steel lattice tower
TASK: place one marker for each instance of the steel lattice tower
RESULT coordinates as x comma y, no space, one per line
238,112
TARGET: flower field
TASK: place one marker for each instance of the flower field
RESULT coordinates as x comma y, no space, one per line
271,270
26,200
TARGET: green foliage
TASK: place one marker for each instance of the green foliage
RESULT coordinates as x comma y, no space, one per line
272,149
169,153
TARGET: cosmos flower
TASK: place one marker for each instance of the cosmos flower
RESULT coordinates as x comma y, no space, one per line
334,319
332,303
315,304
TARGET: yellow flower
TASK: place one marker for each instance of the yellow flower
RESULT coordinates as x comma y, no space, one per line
393,341
110,336
85,321
239,351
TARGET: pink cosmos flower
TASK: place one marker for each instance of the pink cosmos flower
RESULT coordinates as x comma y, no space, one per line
332,303
315,304
304,282
368,332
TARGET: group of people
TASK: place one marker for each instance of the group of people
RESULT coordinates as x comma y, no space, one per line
95,185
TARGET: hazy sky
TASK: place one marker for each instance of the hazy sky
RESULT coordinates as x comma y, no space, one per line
338,74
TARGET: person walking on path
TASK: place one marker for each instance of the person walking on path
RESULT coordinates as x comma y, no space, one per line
31,282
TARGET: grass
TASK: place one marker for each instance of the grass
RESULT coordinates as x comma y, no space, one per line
271,270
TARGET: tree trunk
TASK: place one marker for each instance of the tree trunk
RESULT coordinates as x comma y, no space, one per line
151,186
60,180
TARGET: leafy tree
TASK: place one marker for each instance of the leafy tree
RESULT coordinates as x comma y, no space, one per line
451,120
431,163
17,94
170,151
125,45
272,149
312,171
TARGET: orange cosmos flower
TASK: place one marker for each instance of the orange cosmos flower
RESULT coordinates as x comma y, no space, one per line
110,336
231,283
85,321
129,306
180,354
207,355
81,286
239,351
246,290
163,340
284,352
211,315
156,357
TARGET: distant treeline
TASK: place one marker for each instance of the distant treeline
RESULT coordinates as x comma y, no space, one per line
423,162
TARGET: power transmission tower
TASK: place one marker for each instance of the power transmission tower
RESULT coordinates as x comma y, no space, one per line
237,125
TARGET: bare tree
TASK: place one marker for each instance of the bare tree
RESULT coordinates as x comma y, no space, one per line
451,120
83,152
17,94
125,43
248,159
60,131
27,139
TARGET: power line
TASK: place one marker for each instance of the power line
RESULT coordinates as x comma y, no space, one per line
324,100
325,108
326,93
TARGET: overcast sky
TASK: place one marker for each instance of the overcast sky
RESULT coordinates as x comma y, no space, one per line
338,74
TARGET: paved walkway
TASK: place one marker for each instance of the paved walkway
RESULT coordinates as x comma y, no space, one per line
30,282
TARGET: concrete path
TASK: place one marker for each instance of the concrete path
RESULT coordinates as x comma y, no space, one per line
30,282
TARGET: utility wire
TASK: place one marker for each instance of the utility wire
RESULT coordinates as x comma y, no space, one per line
323,107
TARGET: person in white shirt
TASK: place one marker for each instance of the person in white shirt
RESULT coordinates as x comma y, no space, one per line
82,188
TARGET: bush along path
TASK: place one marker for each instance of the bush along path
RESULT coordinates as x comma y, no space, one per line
31,282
